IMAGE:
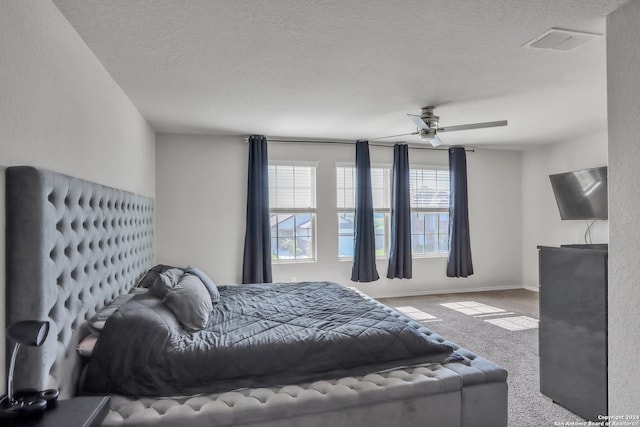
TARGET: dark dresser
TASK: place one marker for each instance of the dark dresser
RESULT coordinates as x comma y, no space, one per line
573,327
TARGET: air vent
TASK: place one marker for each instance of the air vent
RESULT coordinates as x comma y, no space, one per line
560,40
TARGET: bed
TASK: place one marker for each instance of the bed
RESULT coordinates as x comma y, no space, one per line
75,246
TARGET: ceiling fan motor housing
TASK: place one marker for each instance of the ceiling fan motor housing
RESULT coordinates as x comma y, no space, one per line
427,134
430,119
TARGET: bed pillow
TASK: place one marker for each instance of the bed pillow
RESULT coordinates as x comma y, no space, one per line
85,347
165,281
96,323
152,274
190,302
208,283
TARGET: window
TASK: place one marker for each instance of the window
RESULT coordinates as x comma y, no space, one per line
292,205
346,183
429,191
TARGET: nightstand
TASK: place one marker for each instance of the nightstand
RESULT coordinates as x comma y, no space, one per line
82,411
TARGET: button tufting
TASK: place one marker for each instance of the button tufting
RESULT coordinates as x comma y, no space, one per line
77,248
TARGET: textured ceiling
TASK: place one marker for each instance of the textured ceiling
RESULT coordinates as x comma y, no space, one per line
349,69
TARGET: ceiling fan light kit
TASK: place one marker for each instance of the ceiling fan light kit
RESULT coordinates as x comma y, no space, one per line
430,136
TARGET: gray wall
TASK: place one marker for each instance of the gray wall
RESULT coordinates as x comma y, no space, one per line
623,67
60,109
541,223
201,193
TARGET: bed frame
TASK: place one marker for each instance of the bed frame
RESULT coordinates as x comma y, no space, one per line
73,246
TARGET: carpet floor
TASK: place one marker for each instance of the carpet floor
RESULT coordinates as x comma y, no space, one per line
466,320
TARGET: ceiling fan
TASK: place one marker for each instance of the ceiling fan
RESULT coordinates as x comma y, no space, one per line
428,126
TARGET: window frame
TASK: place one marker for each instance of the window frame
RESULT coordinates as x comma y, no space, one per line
428,210
295,211
386,168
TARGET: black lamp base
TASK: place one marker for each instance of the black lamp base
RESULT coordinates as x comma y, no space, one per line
27,403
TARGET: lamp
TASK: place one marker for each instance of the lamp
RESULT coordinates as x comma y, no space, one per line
31,333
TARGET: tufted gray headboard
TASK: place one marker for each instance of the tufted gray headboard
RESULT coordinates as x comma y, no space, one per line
72,246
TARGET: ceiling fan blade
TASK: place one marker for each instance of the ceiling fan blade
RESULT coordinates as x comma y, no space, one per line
393,136
473,126
436,142
418,121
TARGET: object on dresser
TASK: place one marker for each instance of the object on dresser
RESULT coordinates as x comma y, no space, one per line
26,402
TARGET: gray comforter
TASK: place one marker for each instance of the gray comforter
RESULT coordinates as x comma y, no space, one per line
258,335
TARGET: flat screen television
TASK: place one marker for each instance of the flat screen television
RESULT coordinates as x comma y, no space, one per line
581,194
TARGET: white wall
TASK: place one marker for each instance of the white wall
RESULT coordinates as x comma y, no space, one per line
541,223
200,206
201,214
61,110
623,63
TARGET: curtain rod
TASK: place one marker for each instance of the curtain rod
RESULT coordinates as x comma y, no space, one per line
350,142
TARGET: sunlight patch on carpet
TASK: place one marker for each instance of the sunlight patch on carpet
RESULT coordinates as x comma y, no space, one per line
519,323
415,313
472,308
494,314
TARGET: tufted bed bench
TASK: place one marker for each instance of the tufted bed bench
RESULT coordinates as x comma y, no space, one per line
471,393
74,246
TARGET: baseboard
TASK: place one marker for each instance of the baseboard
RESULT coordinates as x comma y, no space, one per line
443,291
532,288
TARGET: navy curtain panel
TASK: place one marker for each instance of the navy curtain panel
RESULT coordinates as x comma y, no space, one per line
256,264
364,254
459,262
400,249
